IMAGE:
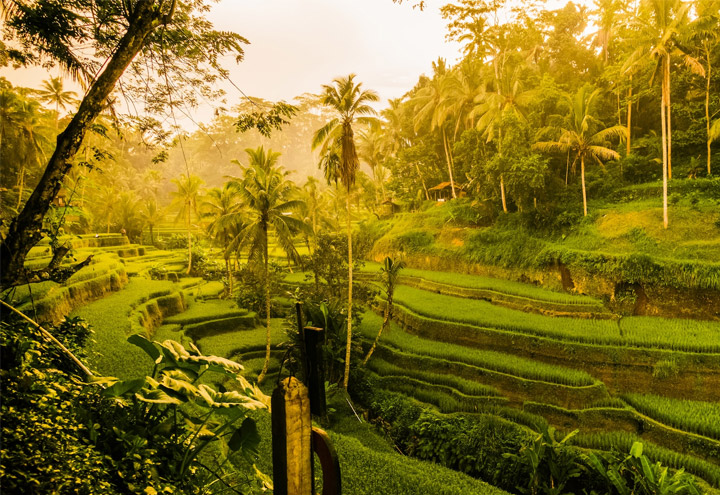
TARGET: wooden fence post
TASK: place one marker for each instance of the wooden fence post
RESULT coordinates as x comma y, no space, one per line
292,439
315,370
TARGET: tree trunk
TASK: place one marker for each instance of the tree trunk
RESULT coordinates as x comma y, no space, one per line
582,179
187,224
629,119
386,320
348,347
229,276
663,115
707,107
449,164
668,109
427,195
267,315
21,186
152,237
502,193
26,229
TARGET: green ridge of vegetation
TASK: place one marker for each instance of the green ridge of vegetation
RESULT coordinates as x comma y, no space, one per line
445,398
230,344
110,353
698,417
206,310
501,286
468,387
496,361
622,441
705,338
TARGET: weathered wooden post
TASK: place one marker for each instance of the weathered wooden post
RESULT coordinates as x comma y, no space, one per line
292,439
315,370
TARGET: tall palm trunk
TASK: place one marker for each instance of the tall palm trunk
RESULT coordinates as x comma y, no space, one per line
502,178
348,347
663,115
267,315
707,105
629,118
448,158
427,194
21,186
386,320
187,224
582,179
668,109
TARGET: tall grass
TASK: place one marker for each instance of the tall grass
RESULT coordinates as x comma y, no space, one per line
698,336
698,417
497,361
492,284
110,352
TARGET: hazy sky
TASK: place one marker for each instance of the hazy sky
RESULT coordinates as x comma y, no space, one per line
298,45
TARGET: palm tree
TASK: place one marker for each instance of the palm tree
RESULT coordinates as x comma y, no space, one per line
52,92
350,103
23,135
705,33
186,198
221,207
370,148
659,28
582,138
432,105
265,192
151,215
508,97
389,272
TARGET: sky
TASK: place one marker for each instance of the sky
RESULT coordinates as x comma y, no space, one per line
296,46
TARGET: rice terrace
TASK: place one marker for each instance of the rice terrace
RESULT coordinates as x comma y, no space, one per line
380,247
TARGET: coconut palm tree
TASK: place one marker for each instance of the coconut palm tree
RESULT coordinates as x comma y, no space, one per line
659,25
151,215
389,273
705,35
266,193
221,208
491,107
581,136
432,106
186,200
350,103
370,148
53,93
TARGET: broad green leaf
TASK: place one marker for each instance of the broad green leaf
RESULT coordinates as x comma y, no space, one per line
157,396
246,438
636,450
149,347
120,389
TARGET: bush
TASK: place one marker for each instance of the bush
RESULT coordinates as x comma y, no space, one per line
60,436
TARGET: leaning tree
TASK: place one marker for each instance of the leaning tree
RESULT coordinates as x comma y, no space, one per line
164,53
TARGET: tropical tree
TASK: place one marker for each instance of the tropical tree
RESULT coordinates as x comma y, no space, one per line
350,104
221,208
509,97
266,195
660,22
389,273
52,92
151,215
120,34
432,106
584,136
186,200
704,32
